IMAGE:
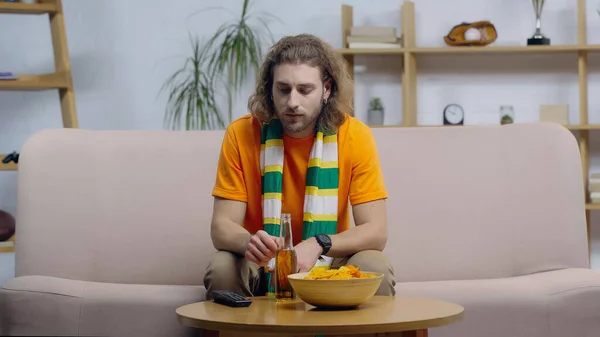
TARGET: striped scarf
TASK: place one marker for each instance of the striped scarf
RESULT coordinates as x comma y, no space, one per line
320,196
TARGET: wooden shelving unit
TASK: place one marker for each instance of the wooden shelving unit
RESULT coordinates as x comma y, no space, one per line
409,54
60,80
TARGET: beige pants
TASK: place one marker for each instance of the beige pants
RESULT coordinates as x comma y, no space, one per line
228,271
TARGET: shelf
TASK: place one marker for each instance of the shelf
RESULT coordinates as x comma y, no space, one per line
570,127
564,49
36,82
21,8
583,127
7,167
8,246
499,49
592,207
591,48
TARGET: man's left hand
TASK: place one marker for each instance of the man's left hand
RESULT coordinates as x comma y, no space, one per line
307,251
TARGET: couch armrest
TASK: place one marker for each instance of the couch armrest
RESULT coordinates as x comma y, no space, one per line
42,305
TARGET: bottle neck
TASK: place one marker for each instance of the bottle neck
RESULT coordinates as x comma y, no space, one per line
286,231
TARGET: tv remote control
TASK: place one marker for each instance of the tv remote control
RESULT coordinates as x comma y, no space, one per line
231,299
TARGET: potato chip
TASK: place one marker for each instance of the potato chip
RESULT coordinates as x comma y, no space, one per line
344,272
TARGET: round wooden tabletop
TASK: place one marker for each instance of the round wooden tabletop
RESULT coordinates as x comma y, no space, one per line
378,315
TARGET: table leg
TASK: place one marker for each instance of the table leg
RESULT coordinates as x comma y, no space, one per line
416,333
209,333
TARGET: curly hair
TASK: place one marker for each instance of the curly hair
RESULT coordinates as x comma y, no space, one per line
305,49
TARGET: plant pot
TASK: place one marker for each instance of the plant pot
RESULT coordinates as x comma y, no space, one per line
375,117
506,119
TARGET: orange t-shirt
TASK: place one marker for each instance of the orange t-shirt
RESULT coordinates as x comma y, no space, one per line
239,178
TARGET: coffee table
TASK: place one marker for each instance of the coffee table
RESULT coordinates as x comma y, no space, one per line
267,317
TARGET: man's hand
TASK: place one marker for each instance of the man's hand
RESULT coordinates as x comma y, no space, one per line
262,247
307,251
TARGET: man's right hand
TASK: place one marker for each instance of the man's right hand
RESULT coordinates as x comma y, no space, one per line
262,247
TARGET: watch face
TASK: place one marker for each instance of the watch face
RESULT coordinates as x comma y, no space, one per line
454,113
325,239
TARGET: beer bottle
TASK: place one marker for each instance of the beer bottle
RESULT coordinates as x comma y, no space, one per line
285,261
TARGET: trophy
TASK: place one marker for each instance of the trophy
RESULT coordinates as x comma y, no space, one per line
538,38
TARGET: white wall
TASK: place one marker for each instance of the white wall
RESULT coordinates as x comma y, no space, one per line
122,51
7,266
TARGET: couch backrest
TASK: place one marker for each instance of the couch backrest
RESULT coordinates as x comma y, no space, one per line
116,206
465,203
483,201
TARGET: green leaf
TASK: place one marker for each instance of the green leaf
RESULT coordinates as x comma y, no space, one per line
217,66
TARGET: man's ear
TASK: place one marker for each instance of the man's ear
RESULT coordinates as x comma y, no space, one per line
327,89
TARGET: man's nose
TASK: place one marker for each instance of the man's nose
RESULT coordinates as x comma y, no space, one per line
293,101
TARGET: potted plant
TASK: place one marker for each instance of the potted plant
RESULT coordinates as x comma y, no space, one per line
506,114
192,94
375,114
224,61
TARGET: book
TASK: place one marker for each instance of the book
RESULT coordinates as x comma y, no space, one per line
372,31
595,197
7,76
372,39
375,45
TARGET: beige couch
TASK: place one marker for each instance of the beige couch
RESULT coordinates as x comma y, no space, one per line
113,230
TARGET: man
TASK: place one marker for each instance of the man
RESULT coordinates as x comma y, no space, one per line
298,152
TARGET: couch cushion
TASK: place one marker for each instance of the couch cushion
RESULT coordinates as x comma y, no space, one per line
549,304
34,305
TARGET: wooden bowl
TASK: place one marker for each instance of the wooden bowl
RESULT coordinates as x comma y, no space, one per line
345,293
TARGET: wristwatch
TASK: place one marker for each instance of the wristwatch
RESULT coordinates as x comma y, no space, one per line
324,241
